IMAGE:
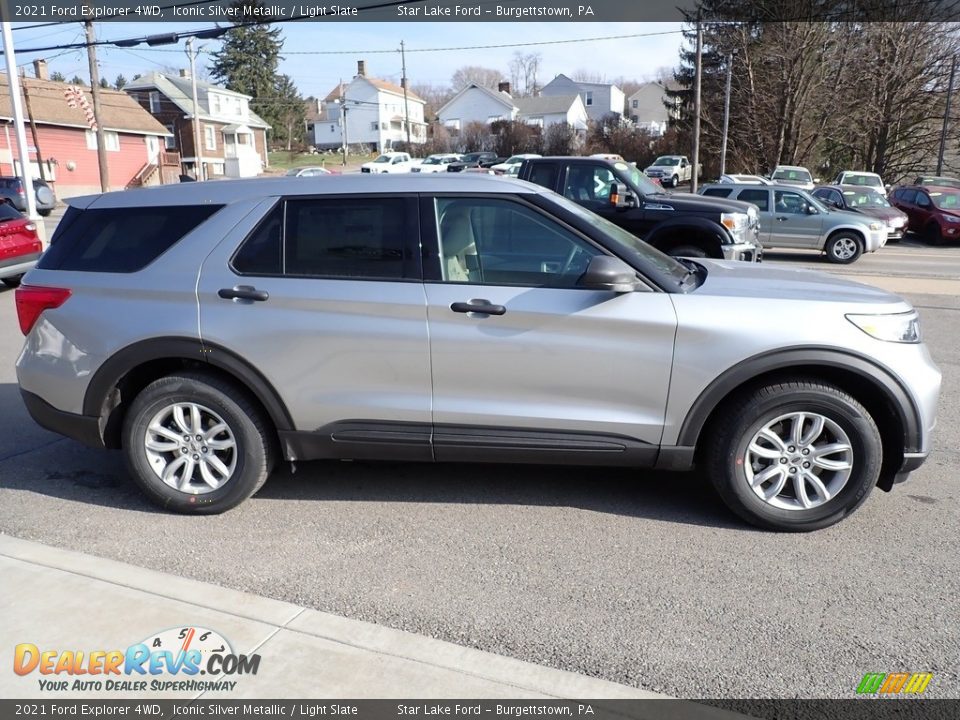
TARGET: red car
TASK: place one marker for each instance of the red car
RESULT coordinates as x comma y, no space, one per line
933,211
19,245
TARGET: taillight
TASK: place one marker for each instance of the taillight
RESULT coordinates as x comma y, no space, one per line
30,226
32,300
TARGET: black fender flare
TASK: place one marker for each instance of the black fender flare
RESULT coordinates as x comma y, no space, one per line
699,224
865,367
109,374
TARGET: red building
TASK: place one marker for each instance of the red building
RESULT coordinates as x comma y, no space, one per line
68,147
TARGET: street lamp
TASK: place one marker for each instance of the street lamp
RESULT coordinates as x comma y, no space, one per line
726,113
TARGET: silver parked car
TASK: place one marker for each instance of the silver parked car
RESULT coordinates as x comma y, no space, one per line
793,218
457,319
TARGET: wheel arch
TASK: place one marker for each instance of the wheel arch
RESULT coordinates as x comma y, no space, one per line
689,231
846,229
131,369
874,386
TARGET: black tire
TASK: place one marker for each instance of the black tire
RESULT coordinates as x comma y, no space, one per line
688,251
12,282
675,181
932,234
726,454
254,453
44,213
844,248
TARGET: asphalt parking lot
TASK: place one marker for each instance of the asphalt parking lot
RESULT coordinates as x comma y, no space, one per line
636,577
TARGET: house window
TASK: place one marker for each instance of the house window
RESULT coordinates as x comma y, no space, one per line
634,105
170,143
374,125
214,104
154,102
111,140
588,98
216,168
210,137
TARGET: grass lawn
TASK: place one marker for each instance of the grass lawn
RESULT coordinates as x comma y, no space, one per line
282,161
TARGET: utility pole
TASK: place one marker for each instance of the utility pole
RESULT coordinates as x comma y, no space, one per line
946,115
403,84
33,133
726,115
343,122
197,152
14,80
95,92
696,108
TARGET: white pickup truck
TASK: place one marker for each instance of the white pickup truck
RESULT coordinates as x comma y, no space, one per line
390,162
671,170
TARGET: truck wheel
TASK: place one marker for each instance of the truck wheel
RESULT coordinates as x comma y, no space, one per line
844,248
795,456
675,181
196,444
688,251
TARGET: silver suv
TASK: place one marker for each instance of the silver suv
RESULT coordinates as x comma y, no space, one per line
793,218
211,330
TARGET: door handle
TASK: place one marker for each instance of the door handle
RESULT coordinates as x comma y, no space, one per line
243,292
478,306
782,219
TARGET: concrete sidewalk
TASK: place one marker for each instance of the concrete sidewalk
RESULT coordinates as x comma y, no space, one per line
64,600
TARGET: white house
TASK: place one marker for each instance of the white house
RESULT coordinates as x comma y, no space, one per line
647,108
476,103
376,113
600,99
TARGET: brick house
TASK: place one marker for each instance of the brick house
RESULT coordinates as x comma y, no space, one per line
68,147
233,138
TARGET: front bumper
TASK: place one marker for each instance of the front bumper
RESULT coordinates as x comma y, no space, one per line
911,462
744,252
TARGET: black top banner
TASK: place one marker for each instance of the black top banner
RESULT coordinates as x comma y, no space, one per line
228,12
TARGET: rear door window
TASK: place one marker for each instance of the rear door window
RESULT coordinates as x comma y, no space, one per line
760,198
121,240
718,192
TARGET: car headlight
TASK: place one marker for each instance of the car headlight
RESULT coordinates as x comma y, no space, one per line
876,226
735,222
951,218
898,327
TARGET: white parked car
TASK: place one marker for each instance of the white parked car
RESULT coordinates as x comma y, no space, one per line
390,162
793,175
863,179
436,163
502,168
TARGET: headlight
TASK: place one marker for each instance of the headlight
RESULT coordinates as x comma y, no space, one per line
899,327
735,222
876,226
951,218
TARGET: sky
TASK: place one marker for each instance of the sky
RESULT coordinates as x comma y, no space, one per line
344,43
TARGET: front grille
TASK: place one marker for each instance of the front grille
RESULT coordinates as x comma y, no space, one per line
364,170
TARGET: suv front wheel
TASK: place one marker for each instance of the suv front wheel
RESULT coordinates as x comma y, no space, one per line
795,456
844,248
196,444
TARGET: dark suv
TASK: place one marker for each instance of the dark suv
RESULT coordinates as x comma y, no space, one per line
13,189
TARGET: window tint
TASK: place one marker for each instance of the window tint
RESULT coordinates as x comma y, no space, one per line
588,184
260,253
544,174
789,203
907,196
120,239
922,200
498,242
350,237
760,198
718,192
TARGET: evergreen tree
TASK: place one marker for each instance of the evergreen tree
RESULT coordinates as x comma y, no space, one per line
104,84
77,80
120,82
58,77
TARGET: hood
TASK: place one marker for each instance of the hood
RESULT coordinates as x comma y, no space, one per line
882,213
689,202
766,282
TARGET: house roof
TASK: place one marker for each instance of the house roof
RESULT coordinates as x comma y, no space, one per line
179,90
336,93
391,88
48,105
664,87
545,104
501,97
581,83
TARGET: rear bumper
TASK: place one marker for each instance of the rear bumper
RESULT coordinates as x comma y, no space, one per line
11,267
78,427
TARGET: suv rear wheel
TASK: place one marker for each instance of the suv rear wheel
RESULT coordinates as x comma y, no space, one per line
196,444
844,248
795,456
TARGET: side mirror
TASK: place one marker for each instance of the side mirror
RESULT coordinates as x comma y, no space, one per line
621,197
887,187
609,273
811,210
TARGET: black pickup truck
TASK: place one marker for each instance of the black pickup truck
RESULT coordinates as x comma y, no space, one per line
678,224
475,160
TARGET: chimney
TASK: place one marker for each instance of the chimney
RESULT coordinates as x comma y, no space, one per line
361,68
504,87
40,69
184,73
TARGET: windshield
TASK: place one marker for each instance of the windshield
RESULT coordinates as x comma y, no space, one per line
862,179
667,161
792,175
946,200
641,182
432,160
293,171
471,157
628,244
864,198
383,159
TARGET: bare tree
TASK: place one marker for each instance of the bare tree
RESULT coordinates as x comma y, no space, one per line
436,96
475,75
524,69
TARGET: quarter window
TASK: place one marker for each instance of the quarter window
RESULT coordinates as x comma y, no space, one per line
499,242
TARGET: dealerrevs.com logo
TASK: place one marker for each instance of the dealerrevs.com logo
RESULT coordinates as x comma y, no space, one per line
170,661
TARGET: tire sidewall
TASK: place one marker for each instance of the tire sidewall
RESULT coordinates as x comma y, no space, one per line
867,454
832,244
250,446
